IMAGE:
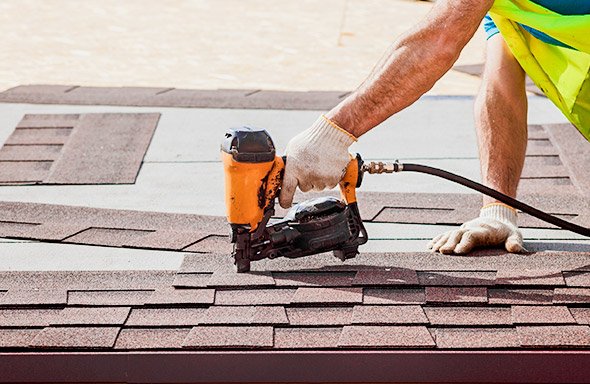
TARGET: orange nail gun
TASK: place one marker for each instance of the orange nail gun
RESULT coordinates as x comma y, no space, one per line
253,176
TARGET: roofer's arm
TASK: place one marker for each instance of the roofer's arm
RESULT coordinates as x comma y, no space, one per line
317,157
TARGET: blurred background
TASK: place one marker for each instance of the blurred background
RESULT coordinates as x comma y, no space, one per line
205,44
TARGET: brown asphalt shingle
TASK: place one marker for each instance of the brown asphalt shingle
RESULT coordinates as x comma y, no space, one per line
386,277
100,298
484,278
191,280
388,314
76,337
151,317
91,316
306,338
317,279
468,315
17,338
394,296
520,296
246,296
34,297
230,337
476,338
385,337
554,336
529,277
171,296
542,315
313,316
151,338
572,296
28,317
456,295
308,295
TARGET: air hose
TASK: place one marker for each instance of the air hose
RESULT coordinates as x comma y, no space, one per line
379,167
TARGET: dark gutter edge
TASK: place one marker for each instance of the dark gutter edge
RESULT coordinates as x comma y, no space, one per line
510,366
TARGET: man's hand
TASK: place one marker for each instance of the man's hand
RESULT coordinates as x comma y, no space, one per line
495,225
316,159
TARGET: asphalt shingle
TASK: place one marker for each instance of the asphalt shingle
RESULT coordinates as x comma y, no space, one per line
529,314
319,316
385,337
308,295
151,338
306,338
120,298
571,296
17,338
386,277
456,294
22,297
457,278
172,296
554,336
278,296
476,338
520,296
27,317
468,315
76,337
314,279
229,337
91,316
151,317
388,314
530,277
394,296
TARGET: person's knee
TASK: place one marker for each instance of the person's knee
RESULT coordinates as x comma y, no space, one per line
502,72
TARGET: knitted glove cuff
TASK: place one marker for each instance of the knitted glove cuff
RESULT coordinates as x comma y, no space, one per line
501,212
325,131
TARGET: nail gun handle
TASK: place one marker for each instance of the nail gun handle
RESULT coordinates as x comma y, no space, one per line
353,177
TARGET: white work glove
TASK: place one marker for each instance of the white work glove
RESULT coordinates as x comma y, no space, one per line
316,159
495,225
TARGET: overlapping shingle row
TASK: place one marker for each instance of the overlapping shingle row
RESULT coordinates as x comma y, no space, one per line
197,233
327,308
172,97
96,148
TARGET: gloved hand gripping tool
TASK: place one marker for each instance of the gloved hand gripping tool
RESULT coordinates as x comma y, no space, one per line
253,176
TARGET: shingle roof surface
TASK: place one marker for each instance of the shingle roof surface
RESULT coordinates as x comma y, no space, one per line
275,309
412,301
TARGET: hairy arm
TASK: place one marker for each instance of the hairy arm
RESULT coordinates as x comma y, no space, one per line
412,65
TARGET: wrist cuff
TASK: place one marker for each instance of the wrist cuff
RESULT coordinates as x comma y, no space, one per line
500,212
333,124
326,131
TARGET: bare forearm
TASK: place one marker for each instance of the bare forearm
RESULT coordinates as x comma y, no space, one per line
411,66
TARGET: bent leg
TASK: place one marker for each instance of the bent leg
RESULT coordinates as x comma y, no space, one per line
501,119
501,122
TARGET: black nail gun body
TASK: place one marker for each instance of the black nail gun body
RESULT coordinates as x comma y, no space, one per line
253,175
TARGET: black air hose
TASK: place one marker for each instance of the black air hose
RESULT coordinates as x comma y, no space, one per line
399,167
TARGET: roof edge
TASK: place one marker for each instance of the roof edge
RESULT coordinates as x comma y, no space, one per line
571,366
